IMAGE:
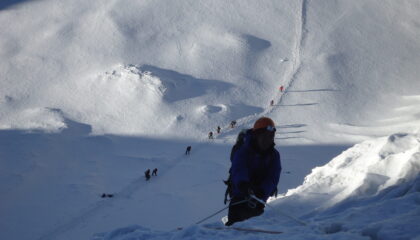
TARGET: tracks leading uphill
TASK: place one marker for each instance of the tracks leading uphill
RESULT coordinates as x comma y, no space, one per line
295,67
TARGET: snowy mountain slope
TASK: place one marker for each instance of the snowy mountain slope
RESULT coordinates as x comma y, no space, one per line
355,70
94,92
59,178
351,63
61,55
370,191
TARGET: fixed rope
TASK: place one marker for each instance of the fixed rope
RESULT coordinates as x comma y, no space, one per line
280,212
243,201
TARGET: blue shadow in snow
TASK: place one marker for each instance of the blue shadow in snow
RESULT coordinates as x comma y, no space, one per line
4,4
314,90
182,86
290,132
256,44
74,142
81,155
283,138
297,125
299,160
296,105
256,47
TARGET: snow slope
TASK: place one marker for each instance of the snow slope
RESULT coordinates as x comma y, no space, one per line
92,93
59,178
67,58
355,73
370,191
132,67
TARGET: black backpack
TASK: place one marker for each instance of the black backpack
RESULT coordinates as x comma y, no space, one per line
240,139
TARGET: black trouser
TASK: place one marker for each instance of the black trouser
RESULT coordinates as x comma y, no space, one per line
243,211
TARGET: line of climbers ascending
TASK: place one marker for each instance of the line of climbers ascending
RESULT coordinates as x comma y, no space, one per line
233,123
219,129
146,175
255,169
281,88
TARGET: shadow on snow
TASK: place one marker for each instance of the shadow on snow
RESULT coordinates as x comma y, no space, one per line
74,166
4,4
182,86
314,90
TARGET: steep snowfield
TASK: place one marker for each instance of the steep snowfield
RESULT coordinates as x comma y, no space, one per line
59,178
92,93
356,70
77,57
370,191
150,68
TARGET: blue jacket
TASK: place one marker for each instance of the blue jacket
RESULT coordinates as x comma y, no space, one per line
260,171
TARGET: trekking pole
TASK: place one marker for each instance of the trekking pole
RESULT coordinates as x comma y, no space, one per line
221,211
280,212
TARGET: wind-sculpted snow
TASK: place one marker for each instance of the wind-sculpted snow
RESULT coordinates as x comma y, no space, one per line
132,94
15,116
359,194
363,170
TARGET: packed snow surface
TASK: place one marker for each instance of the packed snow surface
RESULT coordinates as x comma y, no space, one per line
93,93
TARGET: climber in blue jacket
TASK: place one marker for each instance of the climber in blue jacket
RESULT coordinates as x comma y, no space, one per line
255,171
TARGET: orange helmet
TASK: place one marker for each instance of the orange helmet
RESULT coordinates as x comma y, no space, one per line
263,122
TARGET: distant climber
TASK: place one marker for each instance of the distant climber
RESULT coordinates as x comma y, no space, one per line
218,129
154,173
210,135
187,152
272,103
255,171
281,88
106,195
147,174
233,124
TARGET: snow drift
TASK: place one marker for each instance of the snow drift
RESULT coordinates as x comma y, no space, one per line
363,170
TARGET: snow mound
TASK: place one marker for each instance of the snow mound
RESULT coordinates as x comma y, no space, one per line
371,189
363,170
117,98
29,118
129,82
144,100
